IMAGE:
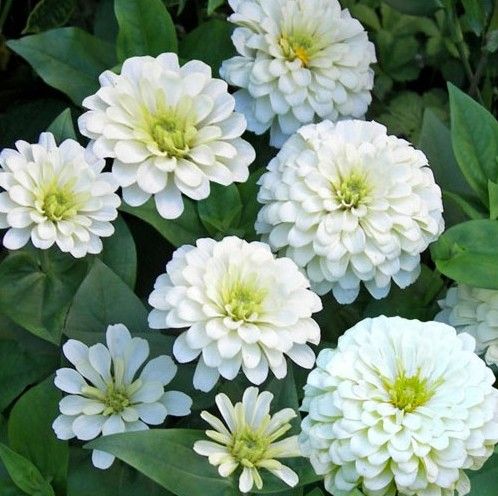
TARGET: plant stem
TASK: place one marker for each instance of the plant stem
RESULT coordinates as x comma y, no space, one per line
5,13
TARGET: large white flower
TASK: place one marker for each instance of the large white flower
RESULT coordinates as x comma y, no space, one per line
242,307
400,405
56,195
169,129
349,203
300,61
249,439
104,395
475,311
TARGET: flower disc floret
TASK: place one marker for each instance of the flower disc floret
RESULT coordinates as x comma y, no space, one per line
399,407
171,130
242,308
350,204
56,195
298,62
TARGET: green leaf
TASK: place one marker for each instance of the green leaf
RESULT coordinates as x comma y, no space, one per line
414,7
62,127
475,15
145,28
24,474
474,133
251,207
69,59
31,434
120,253
104,299
209,42
166,456
315,492
471,208
37,289
221,210
493,200
483,481
49,14
366,15
213,5
184,230
469,245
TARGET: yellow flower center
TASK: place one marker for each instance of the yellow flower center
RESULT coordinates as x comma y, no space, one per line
173,133
352,191
116,400
408,393
249,447
242,300
297,46
58,202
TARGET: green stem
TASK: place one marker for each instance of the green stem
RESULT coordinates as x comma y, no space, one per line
5,13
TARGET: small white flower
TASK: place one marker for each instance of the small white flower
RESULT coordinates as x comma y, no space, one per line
242,307
56,195
350,204
169,129
475,311
104,395
300,61
249,439
400,407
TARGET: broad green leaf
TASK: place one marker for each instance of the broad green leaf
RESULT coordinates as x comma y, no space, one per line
184,230
470,206
414,7
221,210
105,25
49,14
145,28
31,434
483,481
474,133
213,5
366,15
120,253
250,206
37,289
475,15
167,457
69,59
209,42
62,127
102,299
24,474
471,245
315,492
493,200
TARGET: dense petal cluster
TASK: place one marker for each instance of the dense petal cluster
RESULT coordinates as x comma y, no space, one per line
104,395
300,61
475,311
350,204
250,439
242,307
400,405
56,195
169,129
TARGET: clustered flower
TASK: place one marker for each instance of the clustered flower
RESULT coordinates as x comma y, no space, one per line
400,405
474,311
242,308
350,204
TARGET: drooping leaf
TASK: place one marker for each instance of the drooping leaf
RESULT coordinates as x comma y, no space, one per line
49,14
145,28
31,434
62,127
69,59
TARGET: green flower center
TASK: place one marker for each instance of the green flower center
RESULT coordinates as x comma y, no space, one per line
242,300
116,400
352,191
59,203
249,447
173,133
297,46
408,393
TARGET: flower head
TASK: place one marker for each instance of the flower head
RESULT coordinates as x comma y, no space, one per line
350,204
475,311
56,195
242,307
300,61
105,396
400,407
249,439
169,129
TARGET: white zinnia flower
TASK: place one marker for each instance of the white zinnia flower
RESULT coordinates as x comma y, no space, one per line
300,61
249,439
349,203
56,195
475,311
400,407
104,395
169,129
242,307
